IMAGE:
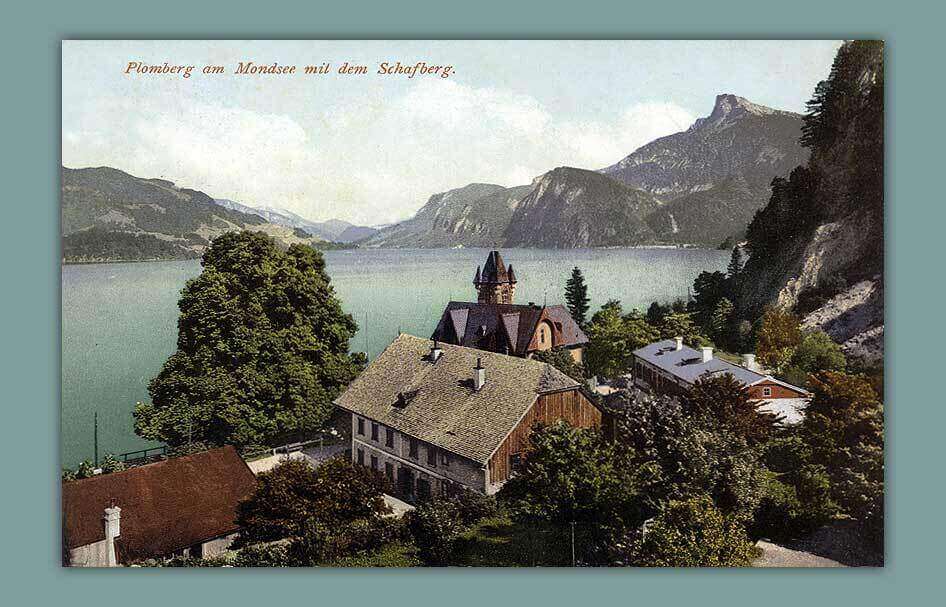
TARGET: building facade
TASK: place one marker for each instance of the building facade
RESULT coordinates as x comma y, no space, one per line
436,419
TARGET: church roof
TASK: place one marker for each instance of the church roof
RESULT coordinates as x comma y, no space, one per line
504,327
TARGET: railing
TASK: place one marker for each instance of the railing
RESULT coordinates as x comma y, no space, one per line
143,456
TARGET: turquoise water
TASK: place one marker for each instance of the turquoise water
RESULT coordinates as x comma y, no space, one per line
119,320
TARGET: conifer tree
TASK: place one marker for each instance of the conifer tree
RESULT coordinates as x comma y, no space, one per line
576,296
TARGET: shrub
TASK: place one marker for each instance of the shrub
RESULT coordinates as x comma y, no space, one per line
336,493
112,464
692,533
472,507
435,525
263,555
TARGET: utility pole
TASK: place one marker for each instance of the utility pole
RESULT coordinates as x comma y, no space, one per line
573,543
95,438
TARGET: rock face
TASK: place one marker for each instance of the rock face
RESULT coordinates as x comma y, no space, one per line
571,208
716,174
475,215
108,214
838,252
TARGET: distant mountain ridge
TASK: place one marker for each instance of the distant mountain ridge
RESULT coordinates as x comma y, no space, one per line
474,215
109,215
700,186
718,172
335,230
574,208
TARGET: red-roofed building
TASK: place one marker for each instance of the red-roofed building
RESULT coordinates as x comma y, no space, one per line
181,506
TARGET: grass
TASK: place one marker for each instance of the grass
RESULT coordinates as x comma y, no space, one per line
501,542
395,554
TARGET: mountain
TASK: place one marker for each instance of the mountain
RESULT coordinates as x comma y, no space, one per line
571,208
719,170
818,246
334,230
474,215
108,214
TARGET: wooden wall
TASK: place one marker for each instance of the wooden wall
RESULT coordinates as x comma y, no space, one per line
571,406
778,391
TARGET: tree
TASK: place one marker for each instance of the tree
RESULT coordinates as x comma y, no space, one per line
262,348
608,354
576,296
736,261
797,496
435,525
720,324
693,533
709,288
688,452
571,474
844,426
680,324
292,493
778,336
725,400
562,360
816,352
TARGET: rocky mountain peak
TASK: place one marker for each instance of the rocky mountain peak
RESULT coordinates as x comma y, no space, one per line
729,107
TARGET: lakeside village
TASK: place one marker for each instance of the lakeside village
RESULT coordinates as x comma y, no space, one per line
514,435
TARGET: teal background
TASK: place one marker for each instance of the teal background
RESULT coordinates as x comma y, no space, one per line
30,300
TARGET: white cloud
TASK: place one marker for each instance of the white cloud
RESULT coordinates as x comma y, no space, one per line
371,161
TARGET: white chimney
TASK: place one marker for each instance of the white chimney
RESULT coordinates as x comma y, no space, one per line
679,344
479,375
707,354
435,352
748,361
112,521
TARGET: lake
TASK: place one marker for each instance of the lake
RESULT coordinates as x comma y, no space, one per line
119,321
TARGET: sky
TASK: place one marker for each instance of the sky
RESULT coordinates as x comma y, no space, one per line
372,148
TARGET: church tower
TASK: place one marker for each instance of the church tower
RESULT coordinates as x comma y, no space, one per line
495,284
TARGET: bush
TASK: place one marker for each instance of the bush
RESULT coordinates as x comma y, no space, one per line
436,525
263,555
472,507
337,493
692,533
112,464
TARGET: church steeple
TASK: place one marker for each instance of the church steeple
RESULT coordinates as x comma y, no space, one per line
495,284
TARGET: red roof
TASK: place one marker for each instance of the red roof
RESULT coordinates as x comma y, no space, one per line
165,506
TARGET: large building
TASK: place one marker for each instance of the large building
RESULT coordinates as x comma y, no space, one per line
496,324
435,418
184,506
670,367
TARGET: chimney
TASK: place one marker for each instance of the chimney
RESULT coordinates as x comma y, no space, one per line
435,352
707,354
679,344
479,375
748,361
112,522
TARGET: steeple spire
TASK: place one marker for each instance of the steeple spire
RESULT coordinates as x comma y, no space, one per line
495,283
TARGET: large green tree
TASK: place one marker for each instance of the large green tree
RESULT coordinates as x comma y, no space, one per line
613,337
286,497
576,296
572,474
262,348
844,425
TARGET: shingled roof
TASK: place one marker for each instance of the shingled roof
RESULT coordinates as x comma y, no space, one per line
434,401
496,327
165,506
